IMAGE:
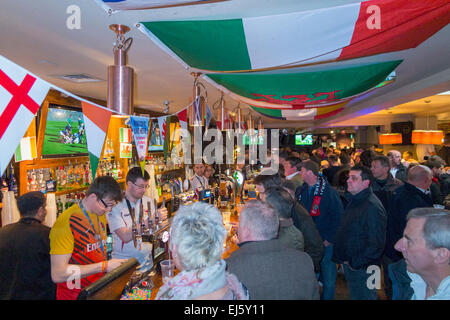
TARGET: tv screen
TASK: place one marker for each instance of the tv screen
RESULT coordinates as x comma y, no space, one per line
65,133
253,139
156,142
303,140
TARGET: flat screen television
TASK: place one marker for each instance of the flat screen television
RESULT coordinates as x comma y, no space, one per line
65,133
303,139
253,139
156,142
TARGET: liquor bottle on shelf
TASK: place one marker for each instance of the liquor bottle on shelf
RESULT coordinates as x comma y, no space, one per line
50,183
40,181
4,183
114,170
59,206
12,183
119,171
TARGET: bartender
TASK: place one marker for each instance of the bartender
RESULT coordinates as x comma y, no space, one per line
198,181
121,221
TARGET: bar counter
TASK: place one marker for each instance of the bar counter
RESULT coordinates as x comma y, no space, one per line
155,277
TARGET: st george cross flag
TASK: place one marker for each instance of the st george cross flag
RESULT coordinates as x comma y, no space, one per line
297,38
96,120
21,95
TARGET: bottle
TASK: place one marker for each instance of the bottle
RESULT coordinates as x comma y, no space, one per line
41,181
4,183
50,184
12,182
119,171
114,170
59,206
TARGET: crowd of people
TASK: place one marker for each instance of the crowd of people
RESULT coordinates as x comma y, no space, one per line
359,212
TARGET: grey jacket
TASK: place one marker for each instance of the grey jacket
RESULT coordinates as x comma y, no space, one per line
272,271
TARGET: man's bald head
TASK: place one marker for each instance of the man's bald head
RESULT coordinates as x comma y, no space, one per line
420,176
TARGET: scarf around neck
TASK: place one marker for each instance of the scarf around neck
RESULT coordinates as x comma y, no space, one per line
189,284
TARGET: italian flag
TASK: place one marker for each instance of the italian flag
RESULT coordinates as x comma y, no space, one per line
295,89
314,113
125,135
96,121
298,38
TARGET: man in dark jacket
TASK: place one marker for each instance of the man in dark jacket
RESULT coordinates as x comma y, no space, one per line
398,170
300,217
360,239
383,185
25,253
269,269
324,205
413,194
436,164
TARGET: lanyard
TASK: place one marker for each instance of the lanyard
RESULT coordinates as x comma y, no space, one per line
97,236
198,178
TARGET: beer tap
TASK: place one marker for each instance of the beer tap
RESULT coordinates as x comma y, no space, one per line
156,215
141,217
133,227
149,217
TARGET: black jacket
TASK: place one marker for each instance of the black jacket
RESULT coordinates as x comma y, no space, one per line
383,189
25,262
402,173
404,199
311,236
361,236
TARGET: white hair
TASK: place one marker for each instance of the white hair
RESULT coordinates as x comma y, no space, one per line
197,233
261,220
436,229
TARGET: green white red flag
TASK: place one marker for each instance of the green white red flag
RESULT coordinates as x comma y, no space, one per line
323,35
298,88
96,121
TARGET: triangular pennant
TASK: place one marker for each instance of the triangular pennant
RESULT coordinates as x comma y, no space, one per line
96,122
21,95
139,126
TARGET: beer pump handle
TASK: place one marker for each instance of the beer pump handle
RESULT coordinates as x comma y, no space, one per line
134,229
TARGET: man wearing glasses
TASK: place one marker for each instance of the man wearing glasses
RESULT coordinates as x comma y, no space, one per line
78,240
122,222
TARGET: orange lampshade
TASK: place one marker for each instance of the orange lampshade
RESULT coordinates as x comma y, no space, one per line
427,137
390,138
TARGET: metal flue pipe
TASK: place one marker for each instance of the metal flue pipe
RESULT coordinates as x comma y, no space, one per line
121,76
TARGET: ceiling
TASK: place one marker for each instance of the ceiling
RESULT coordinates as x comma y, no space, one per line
34,34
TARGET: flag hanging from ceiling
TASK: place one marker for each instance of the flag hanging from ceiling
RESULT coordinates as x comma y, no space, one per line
295,89
298,38
117,5
96,121
182,117
208,115
139,127
315,113
21,95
